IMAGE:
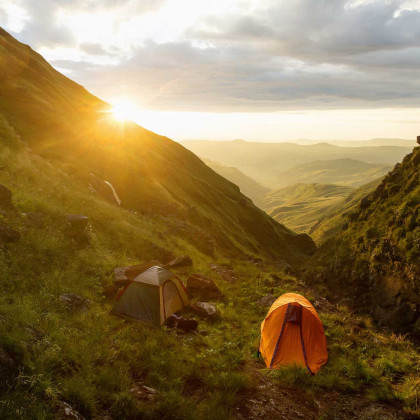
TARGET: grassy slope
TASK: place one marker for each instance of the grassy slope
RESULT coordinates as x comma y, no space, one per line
264,161
299,206
348,172
376,257
91,360
248,186
63,122
331,223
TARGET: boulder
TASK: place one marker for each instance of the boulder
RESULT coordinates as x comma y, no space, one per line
144,393
206,310
105,189
5,197
182,261
125,275
202,287
184,324
418,139
74,302
267,300
8,234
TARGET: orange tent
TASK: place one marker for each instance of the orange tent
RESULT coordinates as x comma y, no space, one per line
292,334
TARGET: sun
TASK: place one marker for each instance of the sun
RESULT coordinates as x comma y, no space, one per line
124,110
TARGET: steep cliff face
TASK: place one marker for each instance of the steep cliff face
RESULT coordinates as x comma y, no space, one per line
375,260
151,174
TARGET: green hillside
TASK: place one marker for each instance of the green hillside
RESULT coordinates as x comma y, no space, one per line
247,185
332,221
299,206
61,121
376,257
60,360
265,161
350,172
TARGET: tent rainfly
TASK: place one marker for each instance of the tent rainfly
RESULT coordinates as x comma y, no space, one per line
153,296
292,334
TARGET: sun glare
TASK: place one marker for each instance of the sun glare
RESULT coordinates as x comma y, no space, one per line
124,110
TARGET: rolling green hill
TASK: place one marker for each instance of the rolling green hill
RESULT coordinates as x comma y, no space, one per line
376,257
299,206
264,161
333,220
247,185
347,171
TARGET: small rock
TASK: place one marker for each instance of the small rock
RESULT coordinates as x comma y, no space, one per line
144,393
182,261
7,364
184,324
77,228
267,300
208,310
110,290
75,302
202,287
8,234
5,197
66,411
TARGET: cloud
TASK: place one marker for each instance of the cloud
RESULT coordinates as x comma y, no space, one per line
251,56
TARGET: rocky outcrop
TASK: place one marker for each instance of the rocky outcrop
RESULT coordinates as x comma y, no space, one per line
202,287
105,189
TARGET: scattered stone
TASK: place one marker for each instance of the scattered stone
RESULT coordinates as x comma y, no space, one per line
125,275
105,189
205,309
267,300
33,219
182,261
144,393
184,324
225,272
66,411
77,228
8,234
75,302
202,287
5,197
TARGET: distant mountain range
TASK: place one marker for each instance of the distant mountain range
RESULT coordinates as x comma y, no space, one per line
345,171
265,161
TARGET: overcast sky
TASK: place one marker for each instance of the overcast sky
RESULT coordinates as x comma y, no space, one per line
255,69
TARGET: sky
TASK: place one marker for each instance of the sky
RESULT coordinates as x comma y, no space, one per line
260,70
